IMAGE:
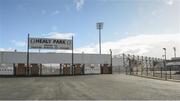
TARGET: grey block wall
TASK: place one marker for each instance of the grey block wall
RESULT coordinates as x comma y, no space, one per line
21,57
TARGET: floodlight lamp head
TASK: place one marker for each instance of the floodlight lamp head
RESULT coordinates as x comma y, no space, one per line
99,25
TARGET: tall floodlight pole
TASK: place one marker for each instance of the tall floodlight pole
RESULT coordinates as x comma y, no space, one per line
174,48
165,62
99,26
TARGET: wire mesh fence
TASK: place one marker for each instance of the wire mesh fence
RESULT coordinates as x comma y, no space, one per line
144,66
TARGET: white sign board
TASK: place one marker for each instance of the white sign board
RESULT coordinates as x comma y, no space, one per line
47,43
6,70
92,69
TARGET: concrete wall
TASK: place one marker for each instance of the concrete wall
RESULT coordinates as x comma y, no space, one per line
21,57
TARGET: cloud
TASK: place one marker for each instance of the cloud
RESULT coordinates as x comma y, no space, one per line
67,7
60,35
115,33
154,12
19,43
92,48
169,2
147,45
56,12
7,49
79,4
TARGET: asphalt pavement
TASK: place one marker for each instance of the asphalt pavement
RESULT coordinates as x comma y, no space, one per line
88,87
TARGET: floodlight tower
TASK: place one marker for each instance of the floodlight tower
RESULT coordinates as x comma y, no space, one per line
99,26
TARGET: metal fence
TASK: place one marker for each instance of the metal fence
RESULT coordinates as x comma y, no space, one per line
145,66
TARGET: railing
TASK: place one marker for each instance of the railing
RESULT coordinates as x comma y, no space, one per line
147,66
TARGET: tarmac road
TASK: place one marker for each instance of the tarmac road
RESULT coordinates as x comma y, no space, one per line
88,87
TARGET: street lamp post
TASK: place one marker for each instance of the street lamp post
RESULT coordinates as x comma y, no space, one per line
174,48
165,62
99,26
111,60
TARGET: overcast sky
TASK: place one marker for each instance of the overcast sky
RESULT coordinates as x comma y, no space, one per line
140,27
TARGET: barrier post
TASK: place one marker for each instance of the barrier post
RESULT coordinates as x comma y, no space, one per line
133,65
137,64
170,73
161,71
124,63
146,66
153,66
129,60
141,66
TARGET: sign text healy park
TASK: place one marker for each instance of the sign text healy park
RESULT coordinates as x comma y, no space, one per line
48,43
